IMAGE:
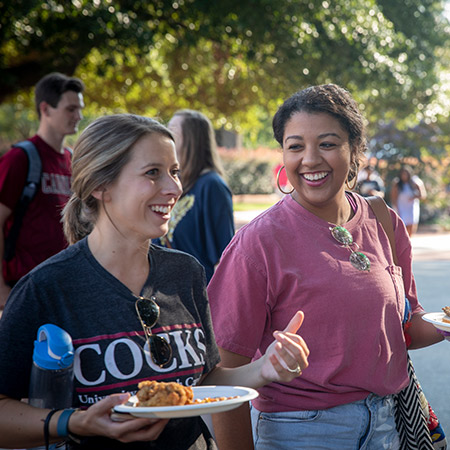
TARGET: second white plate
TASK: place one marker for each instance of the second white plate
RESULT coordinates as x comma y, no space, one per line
436,319
241,394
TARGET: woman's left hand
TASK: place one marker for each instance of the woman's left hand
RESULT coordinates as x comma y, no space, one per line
287,356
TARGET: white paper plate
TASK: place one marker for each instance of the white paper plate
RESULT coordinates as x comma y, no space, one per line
243,394
436,319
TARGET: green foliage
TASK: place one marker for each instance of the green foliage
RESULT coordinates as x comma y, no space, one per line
247,177
236,61
225,57
17,124
250,171
423,148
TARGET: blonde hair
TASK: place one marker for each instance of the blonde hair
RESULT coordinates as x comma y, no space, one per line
199,147
100,153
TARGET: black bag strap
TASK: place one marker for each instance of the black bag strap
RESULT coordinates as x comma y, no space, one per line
29,191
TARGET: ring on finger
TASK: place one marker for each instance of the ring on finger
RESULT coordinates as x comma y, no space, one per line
297,370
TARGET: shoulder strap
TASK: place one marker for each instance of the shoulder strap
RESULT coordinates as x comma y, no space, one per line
29,191
34,169
383,216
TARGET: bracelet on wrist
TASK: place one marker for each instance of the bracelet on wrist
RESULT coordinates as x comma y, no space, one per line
62,427
47,426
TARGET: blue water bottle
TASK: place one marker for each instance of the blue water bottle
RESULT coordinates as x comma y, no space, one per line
51,382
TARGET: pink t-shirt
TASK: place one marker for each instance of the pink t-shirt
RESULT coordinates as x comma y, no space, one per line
287,260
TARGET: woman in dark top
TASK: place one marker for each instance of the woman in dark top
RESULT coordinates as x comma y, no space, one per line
125,185
202,222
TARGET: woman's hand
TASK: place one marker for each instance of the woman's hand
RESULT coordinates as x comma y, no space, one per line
284,360
96,421
287,356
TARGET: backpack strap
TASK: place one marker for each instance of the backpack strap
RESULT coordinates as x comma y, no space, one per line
29,191
381,211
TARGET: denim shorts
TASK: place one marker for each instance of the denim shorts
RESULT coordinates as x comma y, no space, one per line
367,424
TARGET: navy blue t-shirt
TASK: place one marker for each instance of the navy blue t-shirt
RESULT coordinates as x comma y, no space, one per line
202,222
73,291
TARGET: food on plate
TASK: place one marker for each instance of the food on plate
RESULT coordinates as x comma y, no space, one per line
446,318
198,401
154,393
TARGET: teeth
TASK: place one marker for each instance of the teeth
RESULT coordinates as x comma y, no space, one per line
162,209
315,176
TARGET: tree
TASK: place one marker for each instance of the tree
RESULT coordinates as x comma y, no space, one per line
225,57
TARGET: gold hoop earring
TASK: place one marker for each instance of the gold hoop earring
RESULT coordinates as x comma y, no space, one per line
350,188
354,179
278,182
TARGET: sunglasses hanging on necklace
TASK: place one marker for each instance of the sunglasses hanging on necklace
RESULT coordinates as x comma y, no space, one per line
357,259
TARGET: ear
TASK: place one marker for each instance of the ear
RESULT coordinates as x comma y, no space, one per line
101,194
44,108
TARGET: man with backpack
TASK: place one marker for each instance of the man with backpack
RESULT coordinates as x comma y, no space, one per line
30,208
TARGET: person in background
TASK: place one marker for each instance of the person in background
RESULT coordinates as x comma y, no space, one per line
320,249
406,192
370,183
99,289
59,104
202,223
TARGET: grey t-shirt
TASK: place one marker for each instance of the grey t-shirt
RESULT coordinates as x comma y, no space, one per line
73,291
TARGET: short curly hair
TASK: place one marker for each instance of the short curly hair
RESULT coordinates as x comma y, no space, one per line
330,99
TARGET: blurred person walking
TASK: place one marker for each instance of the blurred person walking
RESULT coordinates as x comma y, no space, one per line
202,223
407,191
59,102
369,182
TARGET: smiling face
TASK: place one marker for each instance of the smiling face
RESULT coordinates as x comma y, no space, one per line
317,157
139,202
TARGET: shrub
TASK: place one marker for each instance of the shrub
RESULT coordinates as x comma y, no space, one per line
250,171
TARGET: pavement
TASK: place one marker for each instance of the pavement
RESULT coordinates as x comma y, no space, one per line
431,246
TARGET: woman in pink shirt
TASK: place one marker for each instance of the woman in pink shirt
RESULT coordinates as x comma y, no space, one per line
321,250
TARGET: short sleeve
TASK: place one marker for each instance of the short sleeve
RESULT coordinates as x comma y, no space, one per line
238,298
404,256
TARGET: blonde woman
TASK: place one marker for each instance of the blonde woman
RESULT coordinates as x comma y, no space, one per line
125,185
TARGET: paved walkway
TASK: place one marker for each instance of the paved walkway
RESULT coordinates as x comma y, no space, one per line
431,246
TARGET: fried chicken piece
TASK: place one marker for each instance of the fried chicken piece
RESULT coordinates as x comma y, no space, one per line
446,318
154,393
